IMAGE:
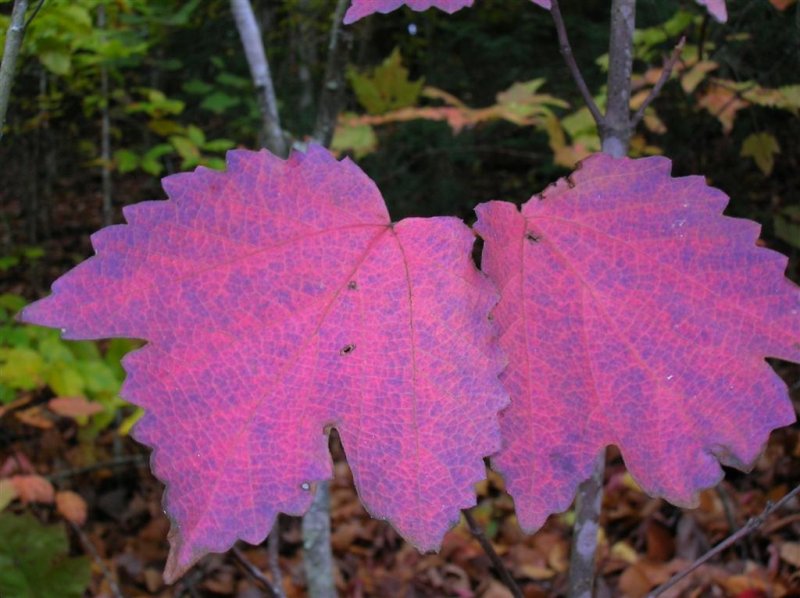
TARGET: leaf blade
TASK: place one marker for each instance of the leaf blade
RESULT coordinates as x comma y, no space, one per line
277,300
630,317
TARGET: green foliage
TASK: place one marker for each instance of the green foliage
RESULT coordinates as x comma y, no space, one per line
187,141
523,101
387,87
219,98
34,358
226,95
35,562
648,42
762,148
59,34
358,139
65,39
521,104
730,83
787,225
20,255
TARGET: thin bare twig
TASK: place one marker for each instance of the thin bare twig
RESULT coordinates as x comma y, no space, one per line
752,524
113,586
187,583
34,13
256,56
702,42
569,58
588,504
477,531
273,549
332,93
669,64
255,573
727,506
14,35
138,460
615,133
317,553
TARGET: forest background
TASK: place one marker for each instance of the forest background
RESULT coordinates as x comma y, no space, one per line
443,112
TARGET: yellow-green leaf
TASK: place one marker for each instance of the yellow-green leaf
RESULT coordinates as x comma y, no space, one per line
56,62
387,88
761,147
359,139
65,380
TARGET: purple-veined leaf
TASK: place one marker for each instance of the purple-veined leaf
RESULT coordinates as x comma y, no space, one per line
633,313
278,299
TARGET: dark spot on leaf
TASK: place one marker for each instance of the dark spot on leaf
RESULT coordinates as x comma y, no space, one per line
352,285
531,237
347,349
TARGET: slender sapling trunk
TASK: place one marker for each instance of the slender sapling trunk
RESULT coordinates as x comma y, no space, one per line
105,146
14,35
615,129
332,92
262,79
317,521
317,554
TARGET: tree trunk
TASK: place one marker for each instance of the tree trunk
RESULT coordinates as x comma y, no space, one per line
317,522
615,134
317,555
588,503
260,73
14,35
105,132
332,93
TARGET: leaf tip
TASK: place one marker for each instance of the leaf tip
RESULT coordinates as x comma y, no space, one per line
181,556
351,16
36,313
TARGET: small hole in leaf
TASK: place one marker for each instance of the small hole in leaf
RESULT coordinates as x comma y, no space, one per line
531,237
305,486
347,349
352,285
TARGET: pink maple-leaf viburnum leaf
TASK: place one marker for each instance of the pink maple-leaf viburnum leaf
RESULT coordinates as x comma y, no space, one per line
278,299
363,8
633,313
717,8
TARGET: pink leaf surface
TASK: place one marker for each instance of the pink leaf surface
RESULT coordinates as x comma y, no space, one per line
278,299
716,8
634,313
363,8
